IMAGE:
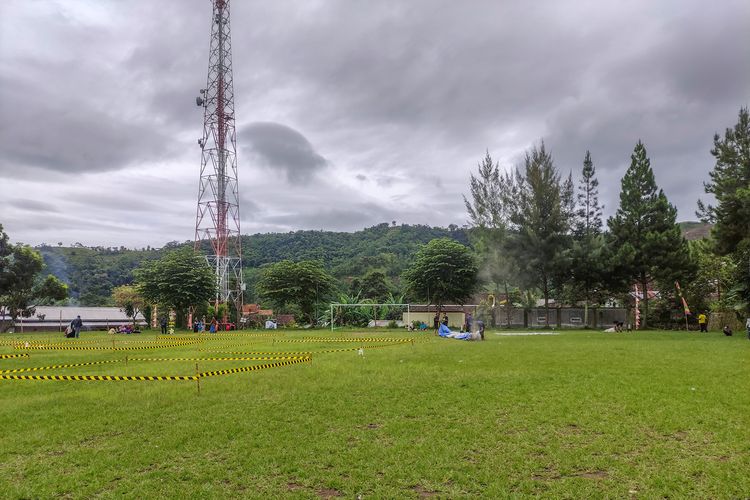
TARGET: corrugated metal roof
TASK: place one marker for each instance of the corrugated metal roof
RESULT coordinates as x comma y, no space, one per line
68,313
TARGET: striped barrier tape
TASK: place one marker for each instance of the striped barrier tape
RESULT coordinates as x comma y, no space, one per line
254,367
117,378
95,378
55,367
344,340
103,348
254,358
8,356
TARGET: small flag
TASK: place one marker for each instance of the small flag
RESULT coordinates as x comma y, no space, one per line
684,302
637,310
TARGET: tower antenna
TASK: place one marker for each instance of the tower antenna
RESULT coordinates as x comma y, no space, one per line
217,221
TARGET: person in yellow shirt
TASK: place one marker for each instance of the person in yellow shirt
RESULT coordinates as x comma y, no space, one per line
702,322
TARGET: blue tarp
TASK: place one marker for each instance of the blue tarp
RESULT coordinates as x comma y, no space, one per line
444,331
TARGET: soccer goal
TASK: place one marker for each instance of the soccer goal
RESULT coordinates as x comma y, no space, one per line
364,314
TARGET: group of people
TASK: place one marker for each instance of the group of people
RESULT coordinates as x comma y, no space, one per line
466,332
727,330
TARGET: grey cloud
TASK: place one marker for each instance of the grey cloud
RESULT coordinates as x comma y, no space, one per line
65,133
282,148
33,205
407,95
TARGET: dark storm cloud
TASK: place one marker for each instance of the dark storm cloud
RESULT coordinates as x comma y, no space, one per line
282,148
397,101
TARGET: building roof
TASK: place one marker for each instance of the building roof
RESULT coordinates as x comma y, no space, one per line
69,313
443,309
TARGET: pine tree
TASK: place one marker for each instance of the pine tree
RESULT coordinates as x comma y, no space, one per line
730,184
489,212
542,222
646,241
589,247
589,213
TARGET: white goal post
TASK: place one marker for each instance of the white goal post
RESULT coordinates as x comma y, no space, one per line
367,304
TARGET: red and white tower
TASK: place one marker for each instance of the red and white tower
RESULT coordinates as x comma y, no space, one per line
217,223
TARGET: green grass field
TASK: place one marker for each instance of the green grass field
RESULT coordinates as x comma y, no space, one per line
574,415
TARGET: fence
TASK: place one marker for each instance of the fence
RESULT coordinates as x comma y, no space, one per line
559,317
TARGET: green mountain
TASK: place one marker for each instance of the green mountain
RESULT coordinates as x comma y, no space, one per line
92,273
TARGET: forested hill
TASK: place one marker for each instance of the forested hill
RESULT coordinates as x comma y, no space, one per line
92,273
386,247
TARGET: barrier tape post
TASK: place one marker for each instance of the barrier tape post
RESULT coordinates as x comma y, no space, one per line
126,360
198,378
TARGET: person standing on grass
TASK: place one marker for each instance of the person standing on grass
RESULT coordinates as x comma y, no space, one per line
747,327
77,324
163,323
469,321
702,322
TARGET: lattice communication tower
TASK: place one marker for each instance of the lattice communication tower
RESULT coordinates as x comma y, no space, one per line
217,223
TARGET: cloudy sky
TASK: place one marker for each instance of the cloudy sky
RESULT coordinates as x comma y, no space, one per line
349,113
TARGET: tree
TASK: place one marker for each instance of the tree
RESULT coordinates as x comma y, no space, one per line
375,286
299,283
179,280
129,300
443,271
492,196
589,257
646,242
487,208
541,218
21,286
730,185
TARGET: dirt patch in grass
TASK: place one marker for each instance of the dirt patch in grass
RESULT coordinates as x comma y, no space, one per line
292,486
328,493
423,492
597,474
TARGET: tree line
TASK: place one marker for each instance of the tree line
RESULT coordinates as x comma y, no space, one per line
532,229
531,232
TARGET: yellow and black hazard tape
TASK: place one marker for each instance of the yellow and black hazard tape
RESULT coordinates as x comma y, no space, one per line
364,339
8,356
229,371
269,353
239,335
55,367
242,358
279,362
104,348
98,378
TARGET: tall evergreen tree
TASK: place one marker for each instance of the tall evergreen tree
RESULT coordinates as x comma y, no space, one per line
646,241
541,217
730,184
486,208
489,212
589,212
589,246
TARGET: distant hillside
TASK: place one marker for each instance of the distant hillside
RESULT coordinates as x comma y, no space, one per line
92,273
692,230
